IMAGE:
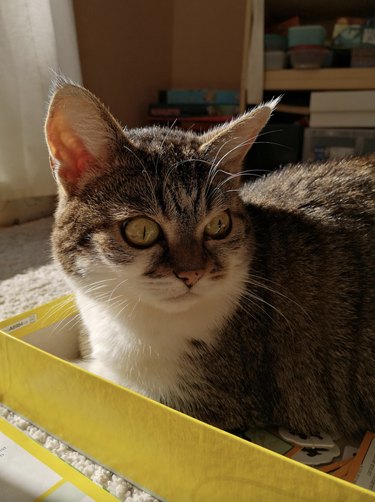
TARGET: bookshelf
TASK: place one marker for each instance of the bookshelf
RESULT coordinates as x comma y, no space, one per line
309,12
297,84
322,79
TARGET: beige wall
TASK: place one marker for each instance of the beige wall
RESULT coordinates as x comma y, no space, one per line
207,43
125,52
131,48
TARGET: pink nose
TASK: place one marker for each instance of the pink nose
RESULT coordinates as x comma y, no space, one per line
191,277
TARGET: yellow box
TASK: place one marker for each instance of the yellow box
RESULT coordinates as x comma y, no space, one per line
167,453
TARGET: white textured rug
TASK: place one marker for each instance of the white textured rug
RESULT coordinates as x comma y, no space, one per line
28,278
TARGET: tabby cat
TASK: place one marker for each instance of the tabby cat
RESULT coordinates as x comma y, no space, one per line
239,304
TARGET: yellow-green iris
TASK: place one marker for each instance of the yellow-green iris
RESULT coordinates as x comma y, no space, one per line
219,227
141,232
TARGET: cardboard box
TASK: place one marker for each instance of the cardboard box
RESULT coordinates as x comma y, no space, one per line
167,453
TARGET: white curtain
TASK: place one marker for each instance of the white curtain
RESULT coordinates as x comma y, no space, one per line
37,38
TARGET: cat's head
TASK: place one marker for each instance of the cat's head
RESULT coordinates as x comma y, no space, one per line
151,214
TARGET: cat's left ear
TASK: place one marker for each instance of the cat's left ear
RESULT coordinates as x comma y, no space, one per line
82,136
228,144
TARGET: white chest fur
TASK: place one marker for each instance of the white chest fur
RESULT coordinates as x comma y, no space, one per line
140,340
142,347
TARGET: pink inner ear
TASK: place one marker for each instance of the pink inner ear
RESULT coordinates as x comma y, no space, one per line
68,149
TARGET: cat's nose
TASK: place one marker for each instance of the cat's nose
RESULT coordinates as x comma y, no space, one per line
191,277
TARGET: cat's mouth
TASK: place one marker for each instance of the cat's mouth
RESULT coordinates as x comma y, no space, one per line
186,295
178,302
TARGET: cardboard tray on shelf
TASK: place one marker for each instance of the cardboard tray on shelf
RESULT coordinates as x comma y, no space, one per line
167,453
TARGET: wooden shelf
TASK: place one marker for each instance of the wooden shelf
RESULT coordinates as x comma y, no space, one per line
322,79
319,9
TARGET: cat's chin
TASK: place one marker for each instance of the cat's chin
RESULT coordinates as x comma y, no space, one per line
177,303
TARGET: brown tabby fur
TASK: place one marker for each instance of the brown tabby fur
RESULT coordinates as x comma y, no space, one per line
299,349
305,354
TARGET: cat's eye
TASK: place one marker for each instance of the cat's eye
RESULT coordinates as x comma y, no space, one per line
140,232
219,227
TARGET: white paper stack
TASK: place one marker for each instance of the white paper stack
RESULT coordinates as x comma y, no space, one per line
342,109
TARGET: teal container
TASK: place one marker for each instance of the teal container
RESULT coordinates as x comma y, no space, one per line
275,42
306,35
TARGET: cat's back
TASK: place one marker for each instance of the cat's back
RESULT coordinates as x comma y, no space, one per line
314,229
314,233
341,190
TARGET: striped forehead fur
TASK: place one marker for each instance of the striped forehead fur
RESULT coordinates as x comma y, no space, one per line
173,181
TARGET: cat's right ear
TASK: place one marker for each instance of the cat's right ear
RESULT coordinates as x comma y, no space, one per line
81,135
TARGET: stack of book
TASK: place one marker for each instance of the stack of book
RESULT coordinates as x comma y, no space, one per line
196,109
